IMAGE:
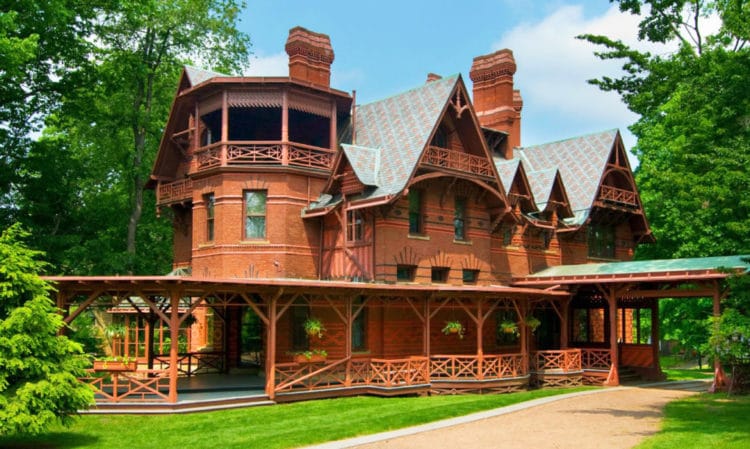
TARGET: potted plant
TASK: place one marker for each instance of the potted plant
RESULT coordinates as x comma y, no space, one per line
532,322
454,327
508,327
115,331
314,356
314,327
115,364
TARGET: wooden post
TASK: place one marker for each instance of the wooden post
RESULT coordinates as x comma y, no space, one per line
224,128
334,132
349,326
480,343
655,338
174,334
720,378
150,320
271,350
426,327
564,324
613,379
284,128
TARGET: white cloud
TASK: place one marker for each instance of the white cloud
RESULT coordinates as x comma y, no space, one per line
553,67
270,65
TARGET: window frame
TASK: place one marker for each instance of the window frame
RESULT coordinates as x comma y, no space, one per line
416,212
210,201
601,241
474,276
411,270
246,215
355,226
440,275
459,219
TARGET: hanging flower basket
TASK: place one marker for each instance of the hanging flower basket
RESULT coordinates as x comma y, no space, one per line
316,356
532,322
454,327
508,327
314,327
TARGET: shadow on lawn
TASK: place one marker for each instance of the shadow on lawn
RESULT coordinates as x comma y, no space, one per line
52,440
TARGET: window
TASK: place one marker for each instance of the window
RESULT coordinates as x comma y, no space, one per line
405,273
470,276
210,203
416,225
546,236
359,326
355,226
601,241
440,274
459,219
508,231
588,325
255,214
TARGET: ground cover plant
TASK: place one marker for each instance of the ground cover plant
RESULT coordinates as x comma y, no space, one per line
279,426
706,420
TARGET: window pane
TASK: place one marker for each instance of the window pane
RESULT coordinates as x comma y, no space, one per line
255,203
415,212
255,227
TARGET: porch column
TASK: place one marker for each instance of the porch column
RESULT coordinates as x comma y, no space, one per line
720,379
564,326
284,128
334,131
426,328
224,127
614,378
480,349
174,335
655,338
271,350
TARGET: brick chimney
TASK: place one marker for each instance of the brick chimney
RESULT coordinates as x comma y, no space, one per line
310,56
497,104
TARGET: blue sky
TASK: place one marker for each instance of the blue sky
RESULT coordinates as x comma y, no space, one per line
385,47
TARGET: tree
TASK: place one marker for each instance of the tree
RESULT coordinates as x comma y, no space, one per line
38,367
693,136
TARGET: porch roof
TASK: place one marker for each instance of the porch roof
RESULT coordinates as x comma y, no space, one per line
660,270
195,286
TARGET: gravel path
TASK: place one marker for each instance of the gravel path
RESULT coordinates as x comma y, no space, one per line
616,418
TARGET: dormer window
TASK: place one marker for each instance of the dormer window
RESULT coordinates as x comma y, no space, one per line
601,241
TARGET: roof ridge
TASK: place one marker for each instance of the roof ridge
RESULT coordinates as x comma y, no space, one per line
455,76
610,130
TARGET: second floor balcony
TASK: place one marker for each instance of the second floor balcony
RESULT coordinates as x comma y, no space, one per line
458,161
261,153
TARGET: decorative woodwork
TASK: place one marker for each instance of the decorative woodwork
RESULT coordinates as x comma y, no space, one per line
147,385
458,161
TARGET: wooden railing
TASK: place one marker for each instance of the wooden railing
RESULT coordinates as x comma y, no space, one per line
352,372
174,192
137,386
597,359
239,154
619,196
565,360
472,367
190,363
457,160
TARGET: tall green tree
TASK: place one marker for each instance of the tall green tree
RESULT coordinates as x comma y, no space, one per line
693,136
38,367
106,133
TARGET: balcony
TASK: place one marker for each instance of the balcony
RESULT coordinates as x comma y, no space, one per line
174,192
458,161
614,195
250,154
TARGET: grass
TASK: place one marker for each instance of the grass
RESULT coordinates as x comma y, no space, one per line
707,420
677,368
279,426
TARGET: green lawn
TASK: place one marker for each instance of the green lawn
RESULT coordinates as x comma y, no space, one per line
677,368
279,426
704,421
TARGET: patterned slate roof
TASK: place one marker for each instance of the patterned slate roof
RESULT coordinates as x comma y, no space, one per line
197,76
506,169
365,162
541,183
581,162
398,127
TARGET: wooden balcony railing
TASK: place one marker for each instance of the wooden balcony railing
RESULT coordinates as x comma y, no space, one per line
565,360
597,359
136,386
457,160
239,154
618,196
472,367
174,192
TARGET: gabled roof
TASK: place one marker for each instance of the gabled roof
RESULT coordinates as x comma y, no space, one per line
197,76
365,162
390,136
506,169
581,161
542,182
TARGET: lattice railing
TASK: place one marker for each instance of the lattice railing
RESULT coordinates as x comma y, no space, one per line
400,372
596,359
208,157
472,367
254,154
141,385
191,363
312,157
615,195
310,376
564,360
457,160
176,191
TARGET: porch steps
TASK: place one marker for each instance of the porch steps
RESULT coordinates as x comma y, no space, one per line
628,375
182,406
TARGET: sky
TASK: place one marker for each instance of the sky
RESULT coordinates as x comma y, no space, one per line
385,47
